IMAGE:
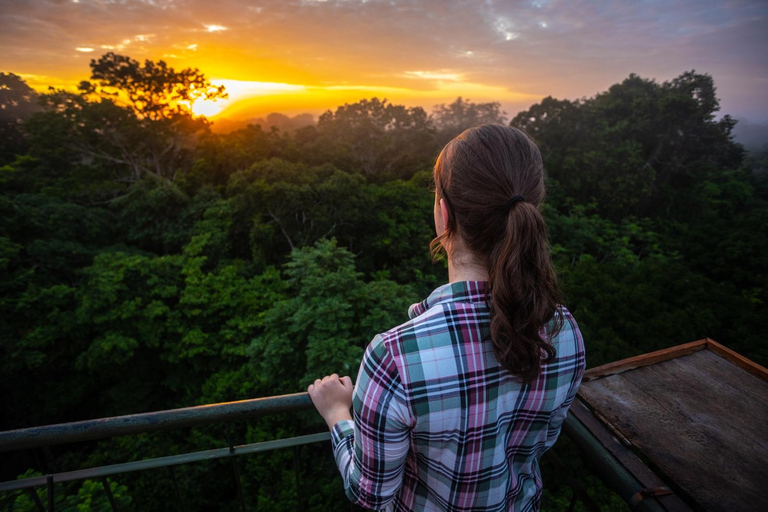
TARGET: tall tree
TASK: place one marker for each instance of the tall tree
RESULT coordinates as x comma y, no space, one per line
155,91
379,137
330,317
284,206
18,101
131,122
451,120
640,148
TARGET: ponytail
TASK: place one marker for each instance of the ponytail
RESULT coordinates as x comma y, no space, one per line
492,178
523,294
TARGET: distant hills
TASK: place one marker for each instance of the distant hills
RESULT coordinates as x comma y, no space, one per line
753,136
280,121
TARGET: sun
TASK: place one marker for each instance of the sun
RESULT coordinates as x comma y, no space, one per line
239,90
208,108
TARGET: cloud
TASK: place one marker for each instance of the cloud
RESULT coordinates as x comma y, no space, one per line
434,75
564,48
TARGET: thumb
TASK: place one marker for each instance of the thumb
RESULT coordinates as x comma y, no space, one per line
346,382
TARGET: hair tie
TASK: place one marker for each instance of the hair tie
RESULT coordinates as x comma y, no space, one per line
513,200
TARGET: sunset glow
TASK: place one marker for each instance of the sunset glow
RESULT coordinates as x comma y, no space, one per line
240,92
312,55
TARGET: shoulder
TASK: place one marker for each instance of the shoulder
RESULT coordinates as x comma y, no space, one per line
430,331
569,326
398,348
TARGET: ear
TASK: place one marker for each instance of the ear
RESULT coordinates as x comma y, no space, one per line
444,213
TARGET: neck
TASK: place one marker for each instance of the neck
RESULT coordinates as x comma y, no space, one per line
462,268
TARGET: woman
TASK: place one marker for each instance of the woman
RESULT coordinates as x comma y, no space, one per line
453,409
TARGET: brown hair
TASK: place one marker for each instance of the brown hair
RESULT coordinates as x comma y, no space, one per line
478,174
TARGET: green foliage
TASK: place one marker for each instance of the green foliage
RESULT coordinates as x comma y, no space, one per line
153,312
18,101
327,321
453,119
379,138
398,238
641,148
85,496
292,205
223,154
155,216
628,311
140,125
579,234
147,264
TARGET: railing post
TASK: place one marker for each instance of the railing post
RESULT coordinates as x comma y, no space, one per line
299,501
49,482
107,490
36,499
179,498
236,468
574,500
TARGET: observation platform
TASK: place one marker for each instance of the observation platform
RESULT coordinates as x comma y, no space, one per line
689,423
680,429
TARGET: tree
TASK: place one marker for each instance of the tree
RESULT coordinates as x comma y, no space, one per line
173,293
641,148
138,125
379,137
453,119
328,319
222,154
155,91
45,243
284,206
396,239
18,101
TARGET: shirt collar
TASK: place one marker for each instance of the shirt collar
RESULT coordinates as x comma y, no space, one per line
461,291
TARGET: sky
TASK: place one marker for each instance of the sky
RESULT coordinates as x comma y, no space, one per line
295,56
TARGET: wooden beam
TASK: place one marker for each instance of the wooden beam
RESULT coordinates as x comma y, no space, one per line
645,359
749,366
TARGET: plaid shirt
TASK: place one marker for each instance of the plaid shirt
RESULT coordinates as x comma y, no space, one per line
440,425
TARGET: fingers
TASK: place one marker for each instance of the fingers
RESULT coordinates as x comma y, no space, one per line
312,387
332,397
345,381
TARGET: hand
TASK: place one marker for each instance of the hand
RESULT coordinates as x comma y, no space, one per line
332,397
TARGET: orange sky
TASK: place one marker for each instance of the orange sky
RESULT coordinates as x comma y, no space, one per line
295,56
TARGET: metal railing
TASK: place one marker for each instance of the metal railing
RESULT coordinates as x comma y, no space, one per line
103,428
151,421
615,475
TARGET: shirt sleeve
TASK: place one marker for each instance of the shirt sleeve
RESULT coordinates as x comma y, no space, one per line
371,450
573,366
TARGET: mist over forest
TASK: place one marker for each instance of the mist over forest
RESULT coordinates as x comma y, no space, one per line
150,262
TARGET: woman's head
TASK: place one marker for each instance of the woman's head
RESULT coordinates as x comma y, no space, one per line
491,181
